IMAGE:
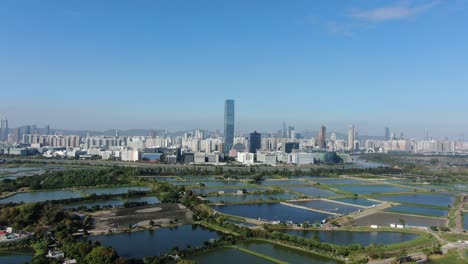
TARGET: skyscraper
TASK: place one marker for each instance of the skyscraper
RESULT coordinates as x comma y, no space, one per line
4,130
228,125
284,130
290,134
47,130
17,135
255,142
322,136
387,133
351,134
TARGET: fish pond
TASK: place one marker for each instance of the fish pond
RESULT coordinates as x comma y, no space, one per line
465,220
115,190
227,255
312,191
272,212
209,183
385,219
226,190
368,189
285,254
156,242
282,182
114,202
15,257
348,238
429,199
252,197
337,208
333,181
357,201
407,209
41,196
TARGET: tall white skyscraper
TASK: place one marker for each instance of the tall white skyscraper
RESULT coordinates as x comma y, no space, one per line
351,134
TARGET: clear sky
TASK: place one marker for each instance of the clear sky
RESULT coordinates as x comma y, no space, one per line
170,64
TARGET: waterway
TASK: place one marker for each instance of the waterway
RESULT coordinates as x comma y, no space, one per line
272,212
156,242
348,238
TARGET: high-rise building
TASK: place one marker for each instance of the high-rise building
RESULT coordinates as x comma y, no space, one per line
351,134
290,146
387,133
290,134
255,142
47,130
322,137
4,129
200,134
284,130
17,134
228,125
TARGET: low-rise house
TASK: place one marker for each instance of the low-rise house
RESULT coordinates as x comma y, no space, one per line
57,254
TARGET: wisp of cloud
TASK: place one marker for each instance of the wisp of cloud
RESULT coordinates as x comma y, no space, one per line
391,12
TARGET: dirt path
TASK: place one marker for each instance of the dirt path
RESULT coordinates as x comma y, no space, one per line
458,215
366,212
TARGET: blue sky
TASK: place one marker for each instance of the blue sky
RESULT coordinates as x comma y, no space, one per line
170,64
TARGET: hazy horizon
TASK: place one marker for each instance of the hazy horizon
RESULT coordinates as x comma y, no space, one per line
164,65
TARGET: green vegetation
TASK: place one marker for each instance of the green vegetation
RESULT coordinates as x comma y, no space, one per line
261,255
452,257
47,218
452,215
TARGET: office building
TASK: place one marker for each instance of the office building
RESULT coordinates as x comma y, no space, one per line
291,132
228,125
245,157
351,134
255,140
387,133
322,137
4,129
285,133
288,147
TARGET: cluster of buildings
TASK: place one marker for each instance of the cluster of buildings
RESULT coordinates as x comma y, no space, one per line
9,234
285,146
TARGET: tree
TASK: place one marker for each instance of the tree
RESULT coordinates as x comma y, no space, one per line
187,261
77,250
40,246
257,178
102,255
401,255
402,221
315,237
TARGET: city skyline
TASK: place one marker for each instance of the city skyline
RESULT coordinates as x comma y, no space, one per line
251,131
386,135
100,66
